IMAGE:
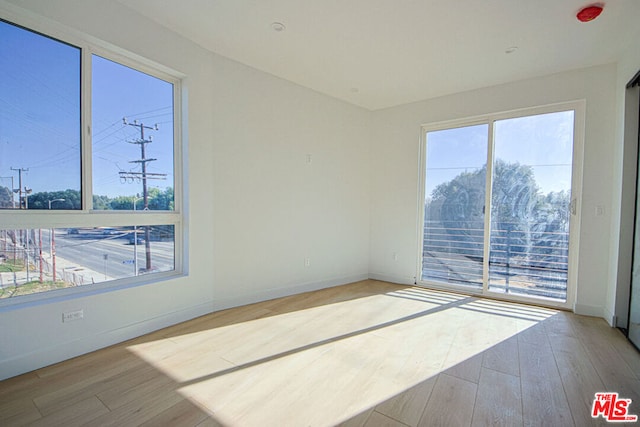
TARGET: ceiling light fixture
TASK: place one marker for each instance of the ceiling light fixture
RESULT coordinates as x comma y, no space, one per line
278,27
589,13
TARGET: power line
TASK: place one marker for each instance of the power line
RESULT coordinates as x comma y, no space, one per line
136,115
151,111
480,167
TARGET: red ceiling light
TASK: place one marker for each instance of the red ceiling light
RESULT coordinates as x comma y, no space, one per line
589,13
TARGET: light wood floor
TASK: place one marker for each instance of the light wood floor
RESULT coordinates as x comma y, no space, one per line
366,354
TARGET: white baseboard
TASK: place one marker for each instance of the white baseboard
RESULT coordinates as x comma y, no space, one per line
610,318
400,280
589,310
269,294
69,349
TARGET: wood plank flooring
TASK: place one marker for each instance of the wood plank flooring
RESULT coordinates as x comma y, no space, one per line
359,355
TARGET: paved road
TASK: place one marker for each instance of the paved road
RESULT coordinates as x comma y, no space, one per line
111,255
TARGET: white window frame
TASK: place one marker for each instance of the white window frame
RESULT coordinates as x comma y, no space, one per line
579,108
86,216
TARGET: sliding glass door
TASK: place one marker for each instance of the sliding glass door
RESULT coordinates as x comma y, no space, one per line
499,204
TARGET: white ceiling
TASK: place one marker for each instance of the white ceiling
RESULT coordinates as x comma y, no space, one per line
381,53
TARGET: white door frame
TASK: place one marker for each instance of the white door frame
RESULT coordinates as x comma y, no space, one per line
579,108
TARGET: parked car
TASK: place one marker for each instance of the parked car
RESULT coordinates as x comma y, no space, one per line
139,241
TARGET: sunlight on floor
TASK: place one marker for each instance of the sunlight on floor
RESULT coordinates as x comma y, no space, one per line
336,359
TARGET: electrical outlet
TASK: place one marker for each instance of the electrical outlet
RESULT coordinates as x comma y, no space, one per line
70,316
307,262
395,256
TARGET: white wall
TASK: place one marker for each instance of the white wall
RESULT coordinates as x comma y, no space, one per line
394,180
273,207
256,209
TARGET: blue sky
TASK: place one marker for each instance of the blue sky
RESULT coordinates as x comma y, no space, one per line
40,117
36,72
544,142
118,92
451,152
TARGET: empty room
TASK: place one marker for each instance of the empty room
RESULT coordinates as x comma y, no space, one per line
319,213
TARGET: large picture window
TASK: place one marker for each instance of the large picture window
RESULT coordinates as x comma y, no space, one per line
89,189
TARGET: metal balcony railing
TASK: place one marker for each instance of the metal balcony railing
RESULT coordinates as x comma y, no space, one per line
532,262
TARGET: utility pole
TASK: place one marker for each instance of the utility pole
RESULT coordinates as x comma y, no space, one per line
53,253
27,191
135,239
144,175
52,242
26,252
40,253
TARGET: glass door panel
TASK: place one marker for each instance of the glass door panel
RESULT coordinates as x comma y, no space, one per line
453,229
530,206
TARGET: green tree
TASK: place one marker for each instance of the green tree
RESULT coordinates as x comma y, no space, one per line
101,203
515,200
161,200
6,198
551,231
523,219
156,199
122,203
458,206
461,200
41,200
